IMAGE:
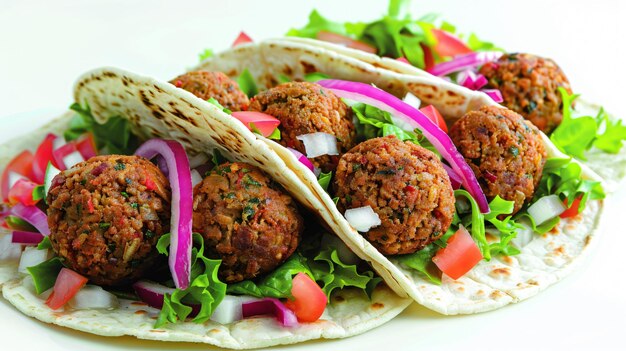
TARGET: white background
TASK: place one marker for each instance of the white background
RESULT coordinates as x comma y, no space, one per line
45,45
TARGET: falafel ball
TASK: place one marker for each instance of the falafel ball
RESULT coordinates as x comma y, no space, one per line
304,108
217,85
247,221
505,152
529,86
106,215
405,184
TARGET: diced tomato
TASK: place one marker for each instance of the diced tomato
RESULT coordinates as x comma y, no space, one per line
571,210
242,38
433,114
429,59
263,122
61,152
449,45
86,146
21,165
22,192
459,256
309,299
345,41
149,183
43,155
68,283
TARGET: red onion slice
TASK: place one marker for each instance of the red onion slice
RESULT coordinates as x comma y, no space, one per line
152,293
441,141
179,176
26,238
305,161
460,63
33,215
270,306
455,179
494,94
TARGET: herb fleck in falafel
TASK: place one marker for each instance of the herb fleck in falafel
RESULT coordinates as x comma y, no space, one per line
505,152
405,184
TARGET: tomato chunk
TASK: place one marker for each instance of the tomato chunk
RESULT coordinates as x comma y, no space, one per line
345,41
571,210
459,256
43,155
449,45
263,122
20,166
242,38
433,114
22,192
68,283
309,299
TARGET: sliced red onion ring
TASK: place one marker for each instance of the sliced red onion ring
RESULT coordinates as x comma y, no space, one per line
270,306
151,292
494,94
318,144
441,141
460,63
179,176
33,215
305,161
362,218
455,179
26,238
471,80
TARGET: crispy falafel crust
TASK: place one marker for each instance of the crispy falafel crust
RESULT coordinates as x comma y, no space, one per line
304,108
505,152
246,220
217,85
405,184
106,215
529,86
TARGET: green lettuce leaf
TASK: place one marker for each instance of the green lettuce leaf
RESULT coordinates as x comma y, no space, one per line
247,84
317,23
324,180
205,54
115,136
213,101
422,261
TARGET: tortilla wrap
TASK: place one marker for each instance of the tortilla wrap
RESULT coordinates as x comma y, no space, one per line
159,109
490,285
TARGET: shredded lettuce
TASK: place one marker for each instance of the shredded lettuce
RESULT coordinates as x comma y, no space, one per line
422,261
213,101
324,180
575,135
205,289
114,136
247,84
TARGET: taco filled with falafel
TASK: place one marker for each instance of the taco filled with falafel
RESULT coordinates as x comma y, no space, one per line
466,203
173,222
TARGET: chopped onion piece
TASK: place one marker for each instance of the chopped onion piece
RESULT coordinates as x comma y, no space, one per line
31,257
179,176
318,144
33,215
58,142
546,208
305,161
524,235
494,94
196,178
14,178
9,251
270,306
72,159
26,238
198,160
362,218
230,309
93,297
412,100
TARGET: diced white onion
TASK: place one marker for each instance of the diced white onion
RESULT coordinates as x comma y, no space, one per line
9,251
362,218
345,254
546,208
196,178
523,235
412,100
93,297
198,160
229,310
318,144
31,257
72,159
14,177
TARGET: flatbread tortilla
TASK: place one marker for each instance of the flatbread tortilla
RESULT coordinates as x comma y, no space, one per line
159,109
490,285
